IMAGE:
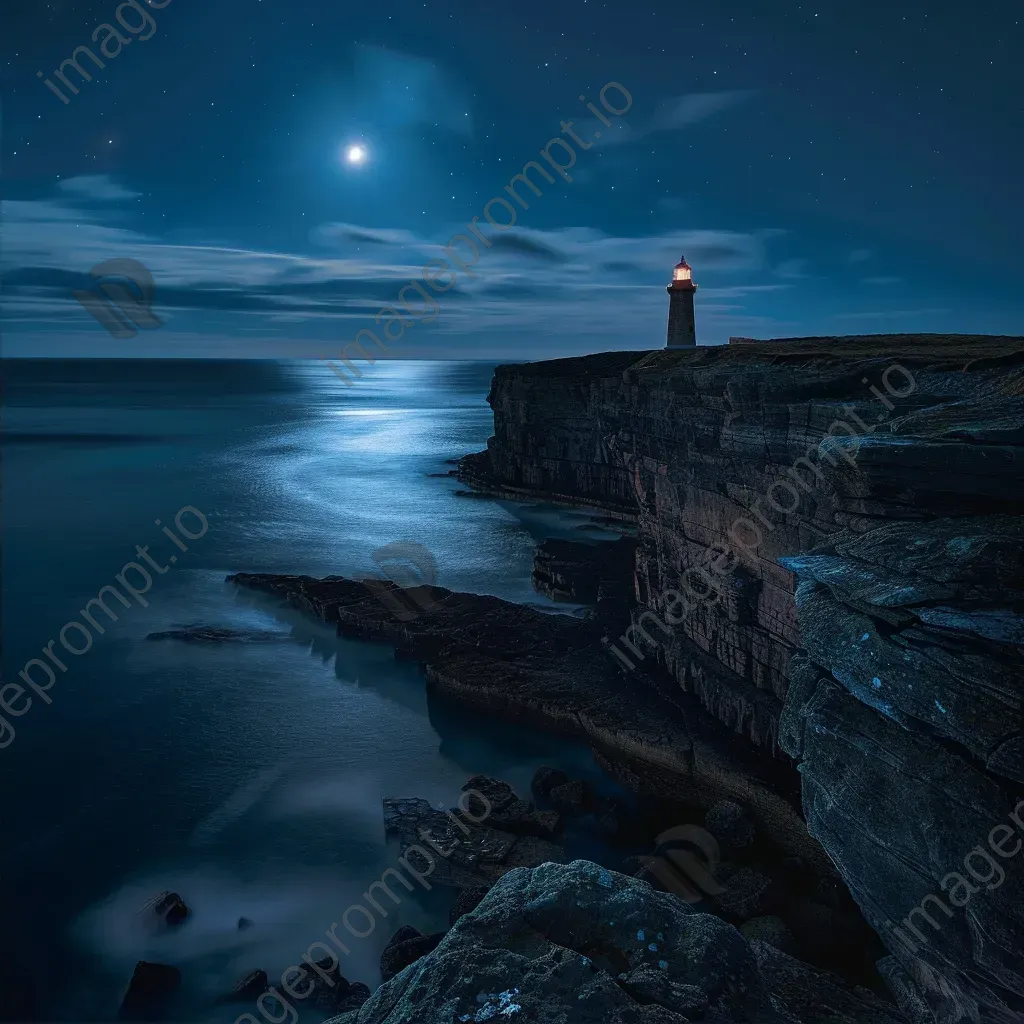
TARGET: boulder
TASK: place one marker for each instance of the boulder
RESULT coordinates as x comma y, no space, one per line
521,818
398,955
149,991
329,984
252,986
578,944
487,796
387,957
170,908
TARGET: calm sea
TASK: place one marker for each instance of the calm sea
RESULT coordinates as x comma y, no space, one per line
246,776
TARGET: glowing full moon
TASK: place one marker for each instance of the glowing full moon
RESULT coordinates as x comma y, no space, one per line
356,154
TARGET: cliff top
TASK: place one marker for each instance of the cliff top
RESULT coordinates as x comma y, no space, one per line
949,351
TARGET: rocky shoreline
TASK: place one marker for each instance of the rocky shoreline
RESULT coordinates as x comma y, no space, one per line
847,675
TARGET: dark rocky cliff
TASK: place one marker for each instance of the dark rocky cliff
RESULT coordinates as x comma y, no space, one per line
830,563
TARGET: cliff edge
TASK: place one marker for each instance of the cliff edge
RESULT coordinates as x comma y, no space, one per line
829,561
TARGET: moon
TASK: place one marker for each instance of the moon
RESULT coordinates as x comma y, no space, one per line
356,154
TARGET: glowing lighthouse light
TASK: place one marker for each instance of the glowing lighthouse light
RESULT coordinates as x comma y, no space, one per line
682,271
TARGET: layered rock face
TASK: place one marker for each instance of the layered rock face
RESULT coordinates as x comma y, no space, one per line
830,561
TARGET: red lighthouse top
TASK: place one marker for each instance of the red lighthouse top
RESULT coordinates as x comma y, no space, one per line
682,275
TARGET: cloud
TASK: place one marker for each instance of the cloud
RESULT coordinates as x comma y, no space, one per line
371,236
685,110
570,283
529,243
397,89
793,269
673,115
97,187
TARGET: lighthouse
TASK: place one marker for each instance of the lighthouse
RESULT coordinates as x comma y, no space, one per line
681,331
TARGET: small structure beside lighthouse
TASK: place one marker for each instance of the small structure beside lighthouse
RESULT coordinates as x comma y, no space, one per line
681,330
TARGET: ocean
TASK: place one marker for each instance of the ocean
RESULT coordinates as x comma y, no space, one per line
246,776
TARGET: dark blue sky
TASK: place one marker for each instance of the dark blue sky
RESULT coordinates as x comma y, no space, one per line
826,168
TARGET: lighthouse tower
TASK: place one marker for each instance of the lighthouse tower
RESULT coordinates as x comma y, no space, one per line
681,331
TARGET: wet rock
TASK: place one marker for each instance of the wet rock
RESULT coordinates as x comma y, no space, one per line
487,796
220,635
252,986
521,818
329,984
398,955
545,779
730,824
747,893
390,963
170,908
770,929
473,854
467,900
571,798
149,991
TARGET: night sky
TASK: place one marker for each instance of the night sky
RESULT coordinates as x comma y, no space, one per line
829,168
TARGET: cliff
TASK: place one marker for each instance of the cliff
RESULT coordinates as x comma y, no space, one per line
829,563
